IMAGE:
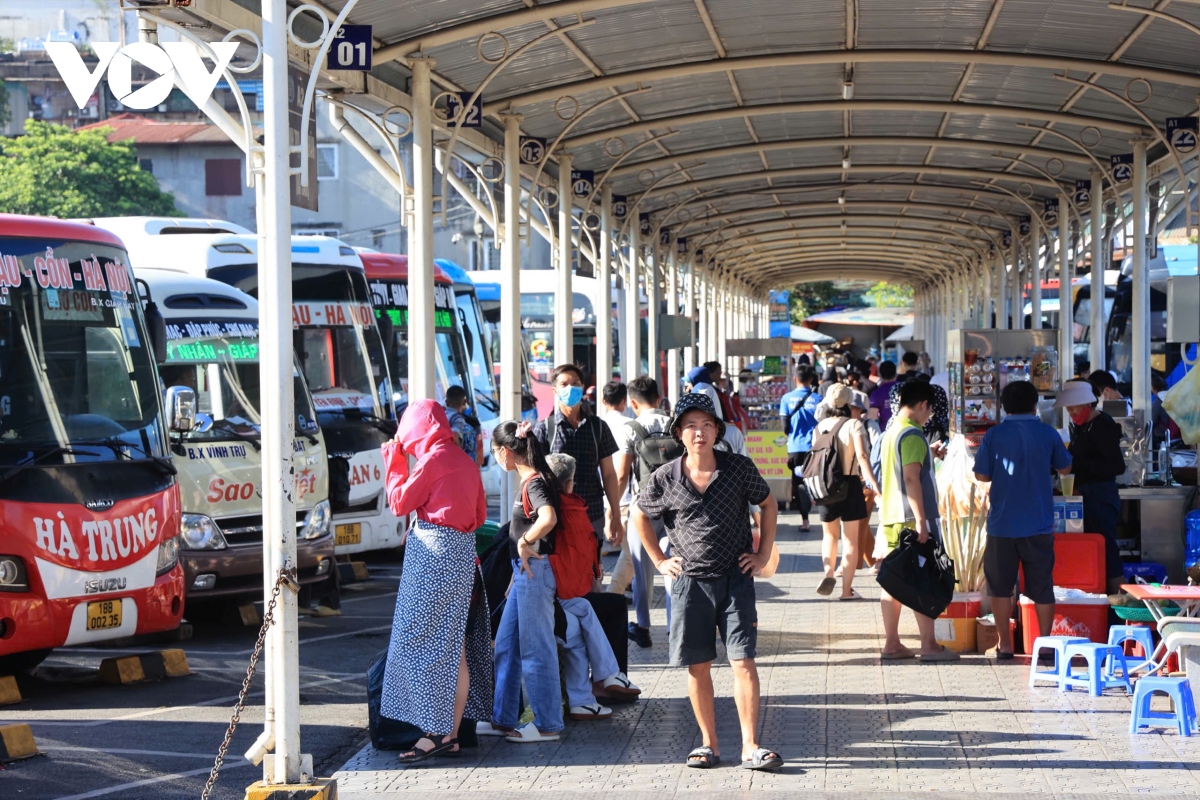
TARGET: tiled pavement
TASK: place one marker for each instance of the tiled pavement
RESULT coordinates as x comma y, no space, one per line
844,721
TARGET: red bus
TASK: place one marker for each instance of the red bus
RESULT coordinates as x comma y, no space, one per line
89,503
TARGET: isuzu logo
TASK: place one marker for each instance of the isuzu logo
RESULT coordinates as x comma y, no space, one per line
98,505
177,63
102,585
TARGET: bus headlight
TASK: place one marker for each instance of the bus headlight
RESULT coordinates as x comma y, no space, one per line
168,555
317,523
201,533
12,575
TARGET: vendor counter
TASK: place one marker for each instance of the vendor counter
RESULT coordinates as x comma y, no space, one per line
1160,511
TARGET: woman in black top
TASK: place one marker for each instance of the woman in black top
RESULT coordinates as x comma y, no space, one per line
1097,462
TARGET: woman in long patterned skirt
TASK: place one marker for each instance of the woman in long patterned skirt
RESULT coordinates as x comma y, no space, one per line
437,670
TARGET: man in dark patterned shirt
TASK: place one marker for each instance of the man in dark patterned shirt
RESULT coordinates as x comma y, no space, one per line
703,499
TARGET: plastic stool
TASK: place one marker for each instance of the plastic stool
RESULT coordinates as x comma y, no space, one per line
1119,634
1098,678
1180,692
1057,644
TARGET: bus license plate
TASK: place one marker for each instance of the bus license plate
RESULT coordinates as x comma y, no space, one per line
347,534
103,615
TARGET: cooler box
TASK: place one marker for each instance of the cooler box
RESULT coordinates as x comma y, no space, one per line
1083,616
955,628
1078,562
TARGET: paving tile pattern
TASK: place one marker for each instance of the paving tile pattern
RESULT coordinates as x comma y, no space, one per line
843,720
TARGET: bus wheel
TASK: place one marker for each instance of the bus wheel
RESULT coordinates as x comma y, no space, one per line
22,662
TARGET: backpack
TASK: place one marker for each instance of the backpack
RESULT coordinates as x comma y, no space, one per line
652,450
575,560
822,473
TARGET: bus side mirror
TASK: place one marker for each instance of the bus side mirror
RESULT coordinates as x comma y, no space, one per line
181,408
156,325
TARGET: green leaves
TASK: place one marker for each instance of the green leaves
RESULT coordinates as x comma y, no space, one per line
54,171
890,295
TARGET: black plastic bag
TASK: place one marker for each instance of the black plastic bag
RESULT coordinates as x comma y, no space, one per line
920,576
386,733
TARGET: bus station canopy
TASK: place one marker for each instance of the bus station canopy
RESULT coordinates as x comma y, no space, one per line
895,139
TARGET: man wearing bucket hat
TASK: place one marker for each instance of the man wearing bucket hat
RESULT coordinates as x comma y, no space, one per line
1097,463
702,499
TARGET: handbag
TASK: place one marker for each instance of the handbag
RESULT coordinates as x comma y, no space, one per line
920,576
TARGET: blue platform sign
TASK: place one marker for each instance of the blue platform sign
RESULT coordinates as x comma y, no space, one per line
781,319
352,49
1122,167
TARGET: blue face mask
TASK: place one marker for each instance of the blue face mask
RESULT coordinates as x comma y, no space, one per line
569,396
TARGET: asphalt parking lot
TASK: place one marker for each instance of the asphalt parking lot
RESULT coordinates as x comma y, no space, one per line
158,739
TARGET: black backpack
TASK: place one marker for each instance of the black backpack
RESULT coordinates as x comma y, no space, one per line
822,473
652,450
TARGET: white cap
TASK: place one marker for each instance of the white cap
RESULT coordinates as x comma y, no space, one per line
1075,393
711,393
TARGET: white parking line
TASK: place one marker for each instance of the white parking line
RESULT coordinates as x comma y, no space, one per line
147,782
110,751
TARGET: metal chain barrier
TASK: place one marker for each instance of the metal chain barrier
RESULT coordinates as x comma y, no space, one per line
286,577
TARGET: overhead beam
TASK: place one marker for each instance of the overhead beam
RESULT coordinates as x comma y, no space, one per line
849,206
649,75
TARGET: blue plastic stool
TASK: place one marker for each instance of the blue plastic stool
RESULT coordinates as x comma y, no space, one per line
1098,678
1180,692
1057,644
1119,634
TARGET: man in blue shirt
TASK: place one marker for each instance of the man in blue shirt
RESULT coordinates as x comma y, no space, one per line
798,412
1018,457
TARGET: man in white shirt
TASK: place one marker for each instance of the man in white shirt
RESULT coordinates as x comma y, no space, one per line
643,395
614,410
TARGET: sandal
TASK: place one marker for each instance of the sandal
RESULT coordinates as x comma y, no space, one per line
899,655
416,755
826,587
529,734
710,759
762,758
852,596
943,655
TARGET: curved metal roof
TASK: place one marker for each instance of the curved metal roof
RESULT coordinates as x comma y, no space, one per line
894,139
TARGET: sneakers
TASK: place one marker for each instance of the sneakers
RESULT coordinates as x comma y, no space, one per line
584,713
620,685
640,636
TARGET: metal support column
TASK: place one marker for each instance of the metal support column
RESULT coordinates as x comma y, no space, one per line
1035,274
1140,286
689,311
672,309
564,301
1066,275
422,373
510,292
604,358
653,309
630,361
286,764
1099,321
1014,283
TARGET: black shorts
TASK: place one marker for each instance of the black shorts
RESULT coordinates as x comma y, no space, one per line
1034,554
852,509
702,606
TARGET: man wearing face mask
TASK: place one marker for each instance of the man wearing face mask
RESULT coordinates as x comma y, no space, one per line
572,430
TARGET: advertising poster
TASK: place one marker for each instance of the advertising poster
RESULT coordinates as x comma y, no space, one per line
781,321
768,451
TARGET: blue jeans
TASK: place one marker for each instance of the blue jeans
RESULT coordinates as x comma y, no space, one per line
525,647
642,586
585,646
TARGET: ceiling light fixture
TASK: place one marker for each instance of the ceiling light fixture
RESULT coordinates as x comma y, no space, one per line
848,90
846,162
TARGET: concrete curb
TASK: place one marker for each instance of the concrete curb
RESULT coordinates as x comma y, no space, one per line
147,666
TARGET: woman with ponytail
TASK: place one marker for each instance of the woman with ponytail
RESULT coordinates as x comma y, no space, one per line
439,658
525,645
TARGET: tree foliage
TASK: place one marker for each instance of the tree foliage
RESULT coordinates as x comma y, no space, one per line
807,299
54,171
890,295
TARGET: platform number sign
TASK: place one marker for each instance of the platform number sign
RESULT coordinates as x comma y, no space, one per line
698,256
472,117
1083,192
1006,239
1023,225
1050,211
351,49
620,206
582,182
664,237
533,150
1181,133
644,224
1122,167
681,245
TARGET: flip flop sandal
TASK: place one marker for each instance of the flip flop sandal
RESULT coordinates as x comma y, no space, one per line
826,587
899,655
852,596
946,654
529,734
711,759
762,758
1000,655
418,755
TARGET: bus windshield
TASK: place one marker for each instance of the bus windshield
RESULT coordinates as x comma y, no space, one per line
77,380
219,361
487,398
